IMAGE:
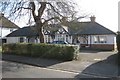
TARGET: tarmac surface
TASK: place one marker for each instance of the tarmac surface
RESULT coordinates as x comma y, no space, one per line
96,63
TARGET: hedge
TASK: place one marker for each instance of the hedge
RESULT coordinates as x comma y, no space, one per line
118,42
50,51
118,46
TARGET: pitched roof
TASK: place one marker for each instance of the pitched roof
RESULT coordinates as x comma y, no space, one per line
74,28
53,28
87,28
5,23
25,31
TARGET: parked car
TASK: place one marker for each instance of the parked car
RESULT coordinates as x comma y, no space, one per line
65,43
59,42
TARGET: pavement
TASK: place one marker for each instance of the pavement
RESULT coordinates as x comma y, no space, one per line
100,64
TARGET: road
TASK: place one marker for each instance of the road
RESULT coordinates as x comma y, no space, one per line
17,70
102,63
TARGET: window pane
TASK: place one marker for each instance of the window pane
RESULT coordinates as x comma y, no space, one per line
100,39
96,39
21,39
103,39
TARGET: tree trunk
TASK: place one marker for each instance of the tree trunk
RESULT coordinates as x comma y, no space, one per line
39,30
39,27
41,36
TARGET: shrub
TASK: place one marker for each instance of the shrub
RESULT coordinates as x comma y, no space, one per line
9,48
118,42
118,46
59,52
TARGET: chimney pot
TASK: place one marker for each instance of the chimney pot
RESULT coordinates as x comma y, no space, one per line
92,18
1,14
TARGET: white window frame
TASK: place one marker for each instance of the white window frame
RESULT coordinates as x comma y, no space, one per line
100,39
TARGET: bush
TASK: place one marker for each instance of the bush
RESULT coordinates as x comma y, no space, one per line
59,52
118,46
118,42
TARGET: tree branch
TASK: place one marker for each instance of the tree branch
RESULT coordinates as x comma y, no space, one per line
33,10
25,8
52,19
81,17
54,9
41,9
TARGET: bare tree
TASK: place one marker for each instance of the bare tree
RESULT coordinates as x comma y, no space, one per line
42,12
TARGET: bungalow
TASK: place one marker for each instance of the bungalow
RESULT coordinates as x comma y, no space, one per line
6,26
92,35
88,34
25,34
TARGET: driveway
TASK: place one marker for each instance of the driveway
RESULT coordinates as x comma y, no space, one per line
94,56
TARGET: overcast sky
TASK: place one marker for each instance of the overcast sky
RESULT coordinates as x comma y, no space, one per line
105,11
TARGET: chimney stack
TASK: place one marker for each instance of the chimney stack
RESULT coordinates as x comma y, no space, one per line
1,14
64,20
92,18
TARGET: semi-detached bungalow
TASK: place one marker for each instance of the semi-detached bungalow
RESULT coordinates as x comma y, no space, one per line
88,34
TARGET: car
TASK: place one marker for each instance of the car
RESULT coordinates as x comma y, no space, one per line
59,42
65,43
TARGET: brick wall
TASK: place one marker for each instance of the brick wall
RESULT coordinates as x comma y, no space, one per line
103,46
100,46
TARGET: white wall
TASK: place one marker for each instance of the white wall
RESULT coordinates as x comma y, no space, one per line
31,40
12,39
110,39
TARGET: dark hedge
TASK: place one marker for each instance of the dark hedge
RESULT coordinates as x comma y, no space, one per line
50,51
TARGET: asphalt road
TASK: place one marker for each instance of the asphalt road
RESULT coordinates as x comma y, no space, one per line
17,70
102,62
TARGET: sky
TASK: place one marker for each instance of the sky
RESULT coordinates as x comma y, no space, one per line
105,11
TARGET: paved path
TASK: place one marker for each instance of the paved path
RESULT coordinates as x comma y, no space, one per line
101,64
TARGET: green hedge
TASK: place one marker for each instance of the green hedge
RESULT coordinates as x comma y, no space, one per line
59,52
118,42
118,46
